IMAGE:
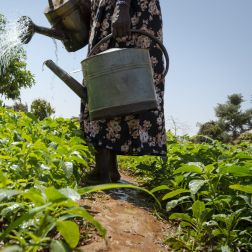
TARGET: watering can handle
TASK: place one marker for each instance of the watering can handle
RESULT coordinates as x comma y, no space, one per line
143,33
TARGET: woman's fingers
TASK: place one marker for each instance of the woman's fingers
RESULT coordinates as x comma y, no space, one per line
120,22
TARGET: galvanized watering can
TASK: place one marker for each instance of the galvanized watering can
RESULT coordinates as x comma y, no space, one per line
70,23
119,81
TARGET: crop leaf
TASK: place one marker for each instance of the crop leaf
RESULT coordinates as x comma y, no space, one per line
7,193
70,231
198,208
225,248
189,168
68,169
58,246
236,170
173,203
174,193
243,188
195,185
23,218
181,216
70,193
14,248
54,195
34,196
82,212
159,188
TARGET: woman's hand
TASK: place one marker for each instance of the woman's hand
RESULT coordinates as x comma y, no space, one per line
121,21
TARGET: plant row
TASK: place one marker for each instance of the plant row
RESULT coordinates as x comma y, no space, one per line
206,189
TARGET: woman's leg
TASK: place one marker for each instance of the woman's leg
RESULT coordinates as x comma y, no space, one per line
102,164
114,173
106,167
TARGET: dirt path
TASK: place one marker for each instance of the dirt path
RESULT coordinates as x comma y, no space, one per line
128,217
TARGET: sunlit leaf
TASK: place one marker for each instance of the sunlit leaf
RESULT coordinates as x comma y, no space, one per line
174,193
244,156
54,195
68,169
195,185
82,212
225,248
14,248
35,196
7,193
220,217
235,170
188,168
216,232
173,203
58,246
181,216
159,188
25,217
198,208
11,209
243,188
70,231
70,193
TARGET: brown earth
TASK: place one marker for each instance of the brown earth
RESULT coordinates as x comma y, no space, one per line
128,216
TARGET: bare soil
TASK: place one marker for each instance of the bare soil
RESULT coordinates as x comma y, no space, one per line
128,215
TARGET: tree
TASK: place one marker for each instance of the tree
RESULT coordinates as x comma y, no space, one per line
231,120
41,109
211,129
14,76
20,107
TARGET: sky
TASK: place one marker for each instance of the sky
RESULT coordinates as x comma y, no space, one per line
210,49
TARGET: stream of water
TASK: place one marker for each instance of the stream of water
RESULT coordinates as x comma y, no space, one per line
10,42
11,35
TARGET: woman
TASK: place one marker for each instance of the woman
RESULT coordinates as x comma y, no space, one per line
141,134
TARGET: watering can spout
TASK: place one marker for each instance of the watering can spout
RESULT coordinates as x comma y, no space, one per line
28,29
76,87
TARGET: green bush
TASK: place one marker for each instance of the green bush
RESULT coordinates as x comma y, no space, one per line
246,136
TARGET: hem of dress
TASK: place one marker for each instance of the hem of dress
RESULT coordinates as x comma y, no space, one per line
117,152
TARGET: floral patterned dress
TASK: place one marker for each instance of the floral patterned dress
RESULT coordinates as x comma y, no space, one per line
134,134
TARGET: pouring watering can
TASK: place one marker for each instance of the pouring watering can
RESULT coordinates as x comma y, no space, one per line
70,23
117,82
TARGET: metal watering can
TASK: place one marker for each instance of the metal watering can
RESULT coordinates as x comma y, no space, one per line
117,82
70,23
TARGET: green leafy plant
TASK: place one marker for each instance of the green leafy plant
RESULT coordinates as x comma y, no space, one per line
205,189
41,166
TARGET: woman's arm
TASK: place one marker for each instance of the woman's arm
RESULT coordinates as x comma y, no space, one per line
121,19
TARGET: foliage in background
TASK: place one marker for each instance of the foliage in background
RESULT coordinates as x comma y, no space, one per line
231,120
246,136
15,76
20,107
206,188
41,109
